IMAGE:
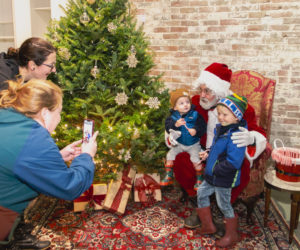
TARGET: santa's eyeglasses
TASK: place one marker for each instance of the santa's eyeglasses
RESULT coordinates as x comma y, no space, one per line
205,91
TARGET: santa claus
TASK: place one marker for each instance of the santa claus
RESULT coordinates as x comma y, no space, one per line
212,85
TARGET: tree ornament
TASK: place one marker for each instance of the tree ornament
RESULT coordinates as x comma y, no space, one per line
153,102
64,53
111,27
136,133
131,60
121,98
91,1
55,37
95,71
125,157
84,18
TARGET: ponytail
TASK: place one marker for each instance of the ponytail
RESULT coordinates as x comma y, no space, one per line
30,98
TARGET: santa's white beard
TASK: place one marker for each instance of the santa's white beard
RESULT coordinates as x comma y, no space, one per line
206,104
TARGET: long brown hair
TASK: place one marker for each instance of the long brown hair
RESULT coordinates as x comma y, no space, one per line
33,49
31,97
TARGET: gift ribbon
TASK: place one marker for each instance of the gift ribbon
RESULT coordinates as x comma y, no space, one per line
146,187
125,185
88,195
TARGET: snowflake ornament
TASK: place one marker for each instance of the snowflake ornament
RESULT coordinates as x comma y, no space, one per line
121,98
153,102
125,157
132,61
111,27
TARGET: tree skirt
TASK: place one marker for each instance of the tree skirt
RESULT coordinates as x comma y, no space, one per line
156,226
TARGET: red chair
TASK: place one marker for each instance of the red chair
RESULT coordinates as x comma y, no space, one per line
259,91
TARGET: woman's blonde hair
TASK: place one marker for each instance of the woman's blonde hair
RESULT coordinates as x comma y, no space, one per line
31,97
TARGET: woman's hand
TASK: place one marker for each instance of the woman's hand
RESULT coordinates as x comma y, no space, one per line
69,152
91,146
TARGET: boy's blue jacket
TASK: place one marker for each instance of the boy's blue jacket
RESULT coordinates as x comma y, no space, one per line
31,163
193,120
223,165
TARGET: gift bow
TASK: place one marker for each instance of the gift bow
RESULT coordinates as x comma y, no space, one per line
146,187
125,185
88,196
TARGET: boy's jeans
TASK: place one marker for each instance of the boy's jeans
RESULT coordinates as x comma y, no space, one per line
223,196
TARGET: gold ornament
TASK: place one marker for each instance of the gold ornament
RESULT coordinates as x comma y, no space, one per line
95,71
84,18
91,1
64,53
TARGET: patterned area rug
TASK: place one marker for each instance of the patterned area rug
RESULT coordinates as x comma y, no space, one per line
159,226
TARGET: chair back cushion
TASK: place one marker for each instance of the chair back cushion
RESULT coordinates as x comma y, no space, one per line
259,91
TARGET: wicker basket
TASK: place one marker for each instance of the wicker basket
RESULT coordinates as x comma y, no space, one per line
287,162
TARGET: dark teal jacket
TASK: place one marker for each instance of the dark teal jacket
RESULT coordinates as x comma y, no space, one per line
31,163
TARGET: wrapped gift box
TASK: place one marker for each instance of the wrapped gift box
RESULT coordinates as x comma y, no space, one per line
147,188
119,191
94,196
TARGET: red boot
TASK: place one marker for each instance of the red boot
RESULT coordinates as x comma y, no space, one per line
207,226
231,235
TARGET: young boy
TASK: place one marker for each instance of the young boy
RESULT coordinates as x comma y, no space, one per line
223,169
190,126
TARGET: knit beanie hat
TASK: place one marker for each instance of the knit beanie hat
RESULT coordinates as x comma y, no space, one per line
236,104
217,78
174,95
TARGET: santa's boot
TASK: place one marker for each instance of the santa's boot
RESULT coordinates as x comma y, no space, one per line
231,235
192,221
207,225
199,179
168,180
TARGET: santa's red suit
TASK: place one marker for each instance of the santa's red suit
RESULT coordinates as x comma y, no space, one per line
183,168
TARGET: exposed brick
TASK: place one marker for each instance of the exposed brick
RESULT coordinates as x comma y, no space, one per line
179,29
259,35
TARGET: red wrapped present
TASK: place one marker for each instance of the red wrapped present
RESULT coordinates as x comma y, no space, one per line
94,197
119,191
147,188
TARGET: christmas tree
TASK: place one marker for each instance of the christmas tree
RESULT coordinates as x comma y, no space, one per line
103,64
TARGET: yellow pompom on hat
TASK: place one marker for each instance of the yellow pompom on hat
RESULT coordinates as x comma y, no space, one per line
175,94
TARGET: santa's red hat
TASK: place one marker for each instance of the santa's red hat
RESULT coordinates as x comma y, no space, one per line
217,78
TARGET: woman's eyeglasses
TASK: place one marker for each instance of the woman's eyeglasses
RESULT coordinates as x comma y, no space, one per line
51,66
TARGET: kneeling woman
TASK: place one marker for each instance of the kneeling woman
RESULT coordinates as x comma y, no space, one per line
30,161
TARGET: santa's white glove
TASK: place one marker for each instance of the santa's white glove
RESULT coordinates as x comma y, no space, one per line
243,138
173,136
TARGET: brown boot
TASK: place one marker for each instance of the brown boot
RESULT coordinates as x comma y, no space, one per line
231,235
207,227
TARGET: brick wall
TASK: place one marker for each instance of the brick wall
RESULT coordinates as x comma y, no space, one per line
259,35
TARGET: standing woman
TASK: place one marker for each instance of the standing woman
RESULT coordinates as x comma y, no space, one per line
36,58
30,161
